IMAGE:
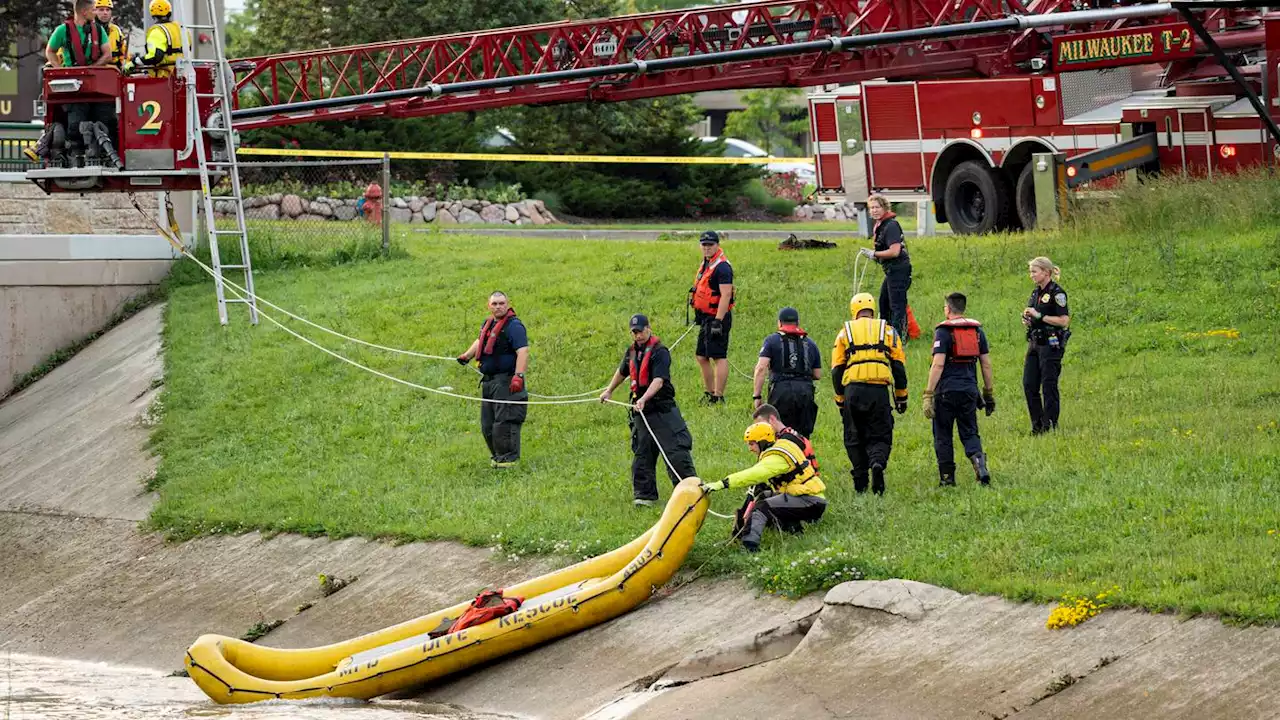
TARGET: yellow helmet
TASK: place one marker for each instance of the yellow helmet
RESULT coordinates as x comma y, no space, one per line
760,433
160,8
860,302
104,4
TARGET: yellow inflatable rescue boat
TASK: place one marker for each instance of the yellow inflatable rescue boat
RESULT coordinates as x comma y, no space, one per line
436,645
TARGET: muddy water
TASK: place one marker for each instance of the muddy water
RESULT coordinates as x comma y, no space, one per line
39,688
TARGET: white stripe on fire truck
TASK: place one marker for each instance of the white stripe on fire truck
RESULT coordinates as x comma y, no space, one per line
829,146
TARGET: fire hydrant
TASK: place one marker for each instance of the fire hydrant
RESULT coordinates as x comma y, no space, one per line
373,203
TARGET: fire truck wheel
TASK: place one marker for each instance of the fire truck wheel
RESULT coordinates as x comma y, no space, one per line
976,201
1024,198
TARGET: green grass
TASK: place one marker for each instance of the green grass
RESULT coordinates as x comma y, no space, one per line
1164,479
908,224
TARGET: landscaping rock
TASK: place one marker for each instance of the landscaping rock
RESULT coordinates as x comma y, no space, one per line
444,217
534,216
415,206
266,212
522,208
399,203
493,214
512,214
428,212
471,204
345,212
322,209
401,214
291,206
469,216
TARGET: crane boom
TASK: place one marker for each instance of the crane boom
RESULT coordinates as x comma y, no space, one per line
759,44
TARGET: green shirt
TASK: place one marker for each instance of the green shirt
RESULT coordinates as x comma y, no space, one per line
60,41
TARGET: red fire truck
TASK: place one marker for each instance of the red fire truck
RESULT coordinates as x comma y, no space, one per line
964,102
966,144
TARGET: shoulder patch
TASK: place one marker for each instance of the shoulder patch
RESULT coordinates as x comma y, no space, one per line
1060,298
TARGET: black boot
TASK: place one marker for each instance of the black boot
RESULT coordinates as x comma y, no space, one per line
860,484
946,479
979,461
877,478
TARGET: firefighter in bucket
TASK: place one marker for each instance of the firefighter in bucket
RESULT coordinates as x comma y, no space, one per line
786,491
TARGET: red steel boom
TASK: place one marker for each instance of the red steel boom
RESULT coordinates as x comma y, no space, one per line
361,70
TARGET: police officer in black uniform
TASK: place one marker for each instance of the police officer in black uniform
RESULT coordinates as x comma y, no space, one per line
792,361
503,352
647,364
1047,319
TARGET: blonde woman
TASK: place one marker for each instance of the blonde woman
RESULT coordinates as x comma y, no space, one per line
891,252
1047,319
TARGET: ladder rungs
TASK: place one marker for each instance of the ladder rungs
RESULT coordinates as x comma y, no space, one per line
232,267
191,26
227,232
224,197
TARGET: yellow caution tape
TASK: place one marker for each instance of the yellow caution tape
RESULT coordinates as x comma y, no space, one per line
505,157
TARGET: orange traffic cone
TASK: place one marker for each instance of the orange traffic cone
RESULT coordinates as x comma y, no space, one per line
913,327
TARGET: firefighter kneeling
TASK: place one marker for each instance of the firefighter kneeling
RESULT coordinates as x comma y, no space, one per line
785,488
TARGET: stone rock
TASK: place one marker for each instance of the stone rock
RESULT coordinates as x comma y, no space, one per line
428,212
542,207
469,216
322,209
534,216
225,207
803,212
444,217
485,203
415,206
254,202
274,199
906,598
266,212
291,206
512,214
523,208
493,214
399,203
546,215
401,214
829,214
456,209
471,204
345,212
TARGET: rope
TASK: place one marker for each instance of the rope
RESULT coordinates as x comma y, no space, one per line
858,278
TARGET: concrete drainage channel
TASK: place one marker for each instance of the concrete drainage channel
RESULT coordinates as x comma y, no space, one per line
738,654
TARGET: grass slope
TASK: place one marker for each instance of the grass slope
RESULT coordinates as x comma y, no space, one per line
1163,480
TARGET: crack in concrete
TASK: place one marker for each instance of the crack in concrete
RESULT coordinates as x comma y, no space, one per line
65,516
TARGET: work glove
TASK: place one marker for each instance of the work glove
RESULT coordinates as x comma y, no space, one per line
989,400
717,327
840,401
517,383
928,404
708,487
462,360
867,253
900,404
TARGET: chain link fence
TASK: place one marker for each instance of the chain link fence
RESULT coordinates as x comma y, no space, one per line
307,212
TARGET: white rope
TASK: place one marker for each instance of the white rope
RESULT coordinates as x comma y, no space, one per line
662,451
858,278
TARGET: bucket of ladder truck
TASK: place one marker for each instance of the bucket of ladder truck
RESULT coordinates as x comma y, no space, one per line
152,132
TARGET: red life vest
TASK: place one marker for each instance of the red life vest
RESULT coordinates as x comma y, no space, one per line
887,216
488,605
805,445
77,47
706,299
965,347
490,331
639,372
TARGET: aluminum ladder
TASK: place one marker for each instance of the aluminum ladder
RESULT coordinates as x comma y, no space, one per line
217,130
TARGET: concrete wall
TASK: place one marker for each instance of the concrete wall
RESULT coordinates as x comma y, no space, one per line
67,265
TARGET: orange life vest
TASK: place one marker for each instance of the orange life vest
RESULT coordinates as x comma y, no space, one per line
488,605
964,340
706,299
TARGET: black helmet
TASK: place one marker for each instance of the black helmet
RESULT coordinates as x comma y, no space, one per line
709,237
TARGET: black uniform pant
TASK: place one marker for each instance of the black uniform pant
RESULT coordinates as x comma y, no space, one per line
785,512
673,435
893,297
500,423
961,410
793,397
1040,374
868,429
